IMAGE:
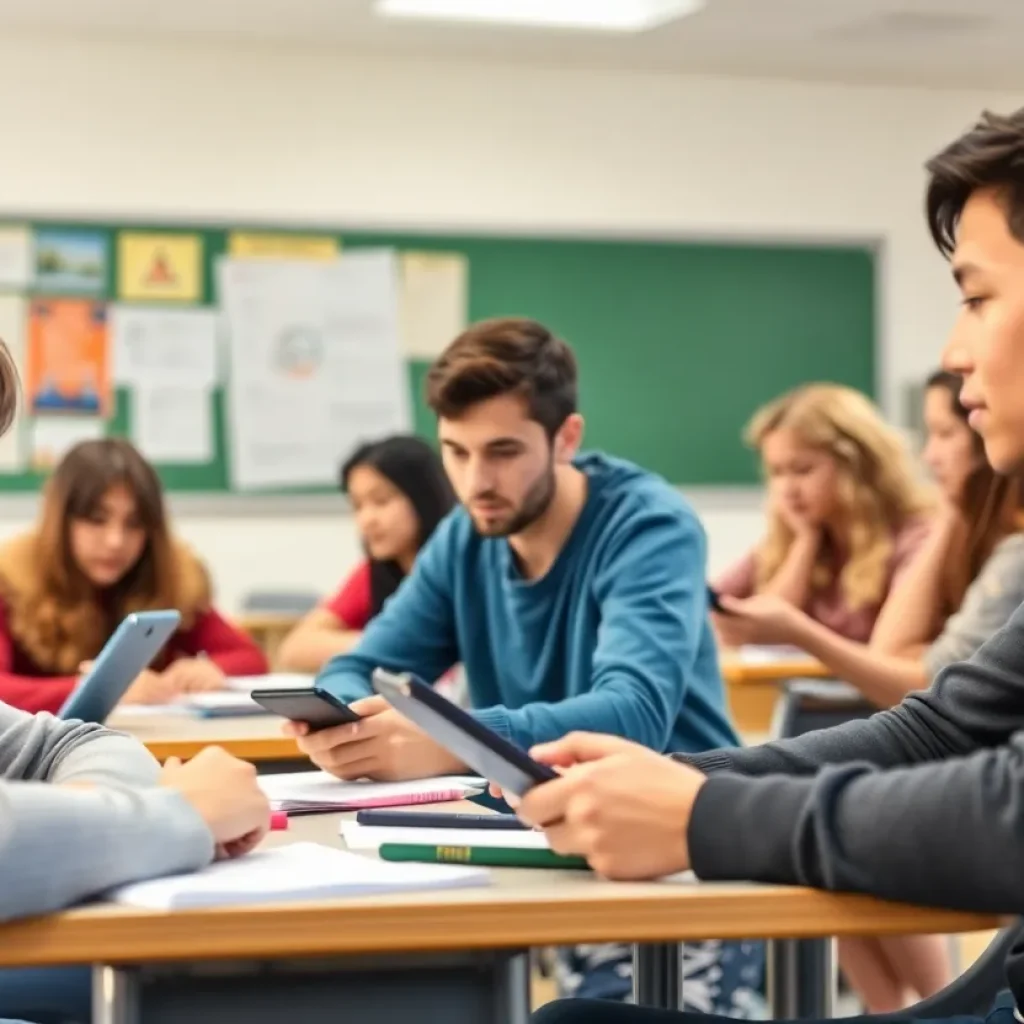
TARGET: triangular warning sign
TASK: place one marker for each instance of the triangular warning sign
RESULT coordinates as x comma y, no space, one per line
160,272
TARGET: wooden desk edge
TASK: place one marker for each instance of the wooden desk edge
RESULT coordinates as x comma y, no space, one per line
538,918
254,748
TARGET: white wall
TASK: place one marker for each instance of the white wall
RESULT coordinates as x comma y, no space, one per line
221,133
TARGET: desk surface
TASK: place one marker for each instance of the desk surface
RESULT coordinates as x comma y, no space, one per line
254,738
522,908
738,670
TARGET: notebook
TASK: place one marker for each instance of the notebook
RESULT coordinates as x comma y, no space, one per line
294,872
316,792
370,837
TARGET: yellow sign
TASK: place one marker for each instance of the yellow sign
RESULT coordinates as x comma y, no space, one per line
160,267
283,247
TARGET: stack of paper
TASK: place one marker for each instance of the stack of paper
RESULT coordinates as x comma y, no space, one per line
270,681
370,837
219,704
297,871
319,792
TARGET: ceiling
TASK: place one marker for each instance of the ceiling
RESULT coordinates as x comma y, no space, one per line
924,42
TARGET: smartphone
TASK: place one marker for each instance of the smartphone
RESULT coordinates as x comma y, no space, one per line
482,749
130,649
317,708
715,601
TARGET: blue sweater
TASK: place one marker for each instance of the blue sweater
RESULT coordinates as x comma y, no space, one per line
614,638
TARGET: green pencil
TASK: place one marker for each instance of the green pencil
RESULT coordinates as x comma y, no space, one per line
482,856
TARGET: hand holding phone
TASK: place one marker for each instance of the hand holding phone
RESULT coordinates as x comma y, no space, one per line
482,749
316,708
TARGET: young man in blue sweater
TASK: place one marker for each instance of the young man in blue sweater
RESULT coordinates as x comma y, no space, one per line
572,588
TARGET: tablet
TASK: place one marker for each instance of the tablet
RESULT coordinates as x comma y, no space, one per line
130,649
482,749
317,708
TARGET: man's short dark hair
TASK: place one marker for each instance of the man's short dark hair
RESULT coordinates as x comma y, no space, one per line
989,156
508,356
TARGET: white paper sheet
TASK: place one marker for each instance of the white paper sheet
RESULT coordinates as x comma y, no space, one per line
164,346
16,252
12,333
172,423
295,871
370,837
315,364
434,302
52,436
270,681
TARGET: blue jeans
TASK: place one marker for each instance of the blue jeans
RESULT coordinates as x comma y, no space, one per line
583,1011
723,978
47,995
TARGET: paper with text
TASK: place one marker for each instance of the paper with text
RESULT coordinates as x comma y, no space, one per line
164,346
434,301
315,365
173,423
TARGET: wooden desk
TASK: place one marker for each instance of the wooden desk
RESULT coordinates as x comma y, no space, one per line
752,687
268,629
256,738
459,952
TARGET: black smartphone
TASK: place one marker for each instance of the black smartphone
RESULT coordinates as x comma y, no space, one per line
317,708
715,601
482,749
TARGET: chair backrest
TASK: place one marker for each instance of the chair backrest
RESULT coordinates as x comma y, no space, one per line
285,602
973,992
810,704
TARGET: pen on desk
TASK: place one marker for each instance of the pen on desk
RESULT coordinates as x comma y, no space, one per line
415,819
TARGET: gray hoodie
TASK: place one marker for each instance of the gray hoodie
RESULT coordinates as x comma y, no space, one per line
60,844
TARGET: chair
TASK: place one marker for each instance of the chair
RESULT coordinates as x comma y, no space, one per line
972,993
807,705
279,602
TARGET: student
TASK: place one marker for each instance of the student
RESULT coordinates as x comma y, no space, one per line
972,564
846,514
399,494
102,549
921,803
68,786
570,586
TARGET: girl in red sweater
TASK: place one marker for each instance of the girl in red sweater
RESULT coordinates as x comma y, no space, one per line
103,549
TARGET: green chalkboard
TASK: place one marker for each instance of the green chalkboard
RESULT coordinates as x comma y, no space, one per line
678,342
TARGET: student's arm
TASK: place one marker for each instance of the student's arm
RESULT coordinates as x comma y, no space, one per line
990,600
912,614
651,591
972,705
948,834
231,650
884,679
30,693
792,580
332,628
415,632
80,794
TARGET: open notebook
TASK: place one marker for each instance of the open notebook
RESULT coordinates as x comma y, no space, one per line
312,792
297,871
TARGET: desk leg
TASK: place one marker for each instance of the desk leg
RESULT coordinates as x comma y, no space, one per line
801,979
464,988
657,975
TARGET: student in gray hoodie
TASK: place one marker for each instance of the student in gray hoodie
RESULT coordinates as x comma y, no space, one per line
83,809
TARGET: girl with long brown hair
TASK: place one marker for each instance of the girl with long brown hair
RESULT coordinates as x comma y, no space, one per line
103,548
